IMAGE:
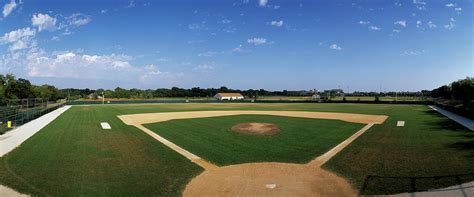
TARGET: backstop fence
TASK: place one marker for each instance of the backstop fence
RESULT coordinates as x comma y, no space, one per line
17,112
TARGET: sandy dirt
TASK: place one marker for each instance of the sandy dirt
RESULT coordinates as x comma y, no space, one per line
254,179
256,128
136,119
261,179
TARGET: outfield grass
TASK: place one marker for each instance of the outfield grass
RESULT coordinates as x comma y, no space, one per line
431,151
73,156
299,141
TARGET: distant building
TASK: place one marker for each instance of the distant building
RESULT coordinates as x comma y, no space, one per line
228,96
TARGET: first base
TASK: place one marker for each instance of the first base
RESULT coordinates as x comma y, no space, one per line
105,125
400,123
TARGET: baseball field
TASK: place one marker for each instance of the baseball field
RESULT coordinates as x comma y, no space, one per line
260,149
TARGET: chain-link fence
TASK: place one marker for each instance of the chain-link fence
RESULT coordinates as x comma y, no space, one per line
20,111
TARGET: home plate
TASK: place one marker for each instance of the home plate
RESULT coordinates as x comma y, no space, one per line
270,185
400,123
105,125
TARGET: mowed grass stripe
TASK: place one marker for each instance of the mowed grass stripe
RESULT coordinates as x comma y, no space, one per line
429,145
299,141
74,156
429,150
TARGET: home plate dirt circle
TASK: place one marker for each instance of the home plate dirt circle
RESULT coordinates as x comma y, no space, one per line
268,179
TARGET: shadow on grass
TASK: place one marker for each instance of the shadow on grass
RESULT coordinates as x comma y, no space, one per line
458,138
466,136
445,123
373,185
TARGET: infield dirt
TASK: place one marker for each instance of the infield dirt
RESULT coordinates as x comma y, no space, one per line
262,179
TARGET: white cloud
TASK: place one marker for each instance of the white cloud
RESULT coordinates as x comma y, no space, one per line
198,26
16,35
431,24
19,39
103,11
277,23
262,2
209,54
450,5
413,52
9,7
82,66
335,47
257,41
375,28
78,19
226,21
364,22
43,22
418,24
131,4
458,9
398,4
419,2
203,67
401,23
152,70
240,49
451,24
396,31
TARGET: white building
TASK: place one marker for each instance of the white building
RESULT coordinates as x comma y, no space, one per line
229,96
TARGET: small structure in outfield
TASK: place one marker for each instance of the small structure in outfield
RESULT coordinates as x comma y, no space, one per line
400,123
228,96
105,125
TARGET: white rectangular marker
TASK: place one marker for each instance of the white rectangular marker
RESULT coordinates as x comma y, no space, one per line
105,125
400,123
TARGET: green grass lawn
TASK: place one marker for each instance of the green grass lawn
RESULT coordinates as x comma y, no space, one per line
73,156
299,141
431,151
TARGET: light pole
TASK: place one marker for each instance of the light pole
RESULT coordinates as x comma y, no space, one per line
103,98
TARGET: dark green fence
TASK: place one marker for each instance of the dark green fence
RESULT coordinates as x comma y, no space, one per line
21,111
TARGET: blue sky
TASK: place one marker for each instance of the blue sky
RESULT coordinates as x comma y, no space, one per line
365,45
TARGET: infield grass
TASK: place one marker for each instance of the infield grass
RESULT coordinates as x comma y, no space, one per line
299,141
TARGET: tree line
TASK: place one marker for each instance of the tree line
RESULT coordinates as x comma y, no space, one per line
13,88
462,90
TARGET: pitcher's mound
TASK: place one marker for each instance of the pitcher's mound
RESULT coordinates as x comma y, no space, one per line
268,179
255,128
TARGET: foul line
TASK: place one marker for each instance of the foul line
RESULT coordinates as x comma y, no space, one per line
138,120
194,158
319,161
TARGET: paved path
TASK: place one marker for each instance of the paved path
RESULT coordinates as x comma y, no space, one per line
15,137
466,122
463,190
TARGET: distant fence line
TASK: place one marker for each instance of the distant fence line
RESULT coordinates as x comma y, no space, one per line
21,111
151,101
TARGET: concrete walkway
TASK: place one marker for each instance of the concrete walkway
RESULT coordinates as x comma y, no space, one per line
15,137
463,190
466,122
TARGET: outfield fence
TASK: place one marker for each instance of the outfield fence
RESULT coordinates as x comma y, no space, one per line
151,101
20,111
